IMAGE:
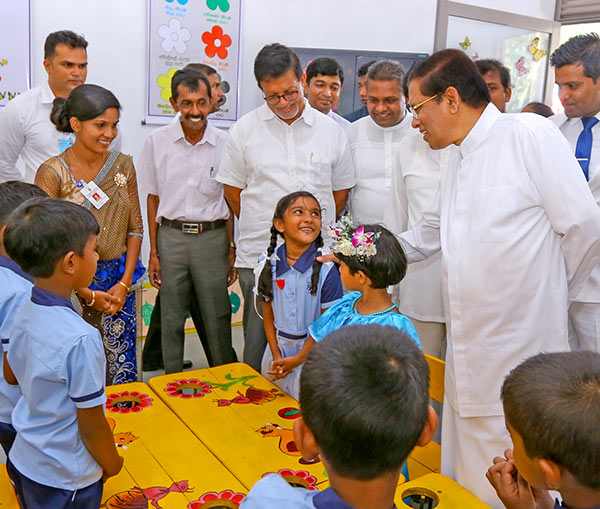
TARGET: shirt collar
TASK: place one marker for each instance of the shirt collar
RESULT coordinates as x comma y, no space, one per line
308,114
7,263
329,499
302,264
46,298
406,121
47,94
480,130
176,131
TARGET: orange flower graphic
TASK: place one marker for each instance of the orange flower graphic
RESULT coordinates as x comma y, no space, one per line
216,43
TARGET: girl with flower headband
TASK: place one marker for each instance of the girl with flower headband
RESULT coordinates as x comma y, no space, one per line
371,259
294,287
104,182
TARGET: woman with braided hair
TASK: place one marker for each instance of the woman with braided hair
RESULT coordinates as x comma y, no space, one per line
294,287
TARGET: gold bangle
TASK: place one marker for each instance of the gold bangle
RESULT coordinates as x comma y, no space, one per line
128,288
90,304
232,245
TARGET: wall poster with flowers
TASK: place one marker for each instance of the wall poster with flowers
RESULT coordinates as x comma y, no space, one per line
181,32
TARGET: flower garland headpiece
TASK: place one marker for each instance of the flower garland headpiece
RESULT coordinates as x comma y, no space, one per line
351,241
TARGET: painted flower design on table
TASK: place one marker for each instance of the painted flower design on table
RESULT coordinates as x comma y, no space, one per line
174,36
127,401
226,498
213,5
216,42
297,478
198,388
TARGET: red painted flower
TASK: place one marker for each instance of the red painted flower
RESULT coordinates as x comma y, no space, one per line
197,388
127,401
298,478
228,498
216,42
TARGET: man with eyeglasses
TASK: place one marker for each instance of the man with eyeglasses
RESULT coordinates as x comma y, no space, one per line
519,233
280,147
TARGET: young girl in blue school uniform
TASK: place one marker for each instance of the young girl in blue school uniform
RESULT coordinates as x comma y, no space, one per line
371,259
293,286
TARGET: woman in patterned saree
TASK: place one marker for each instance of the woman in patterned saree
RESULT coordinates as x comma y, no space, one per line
104,182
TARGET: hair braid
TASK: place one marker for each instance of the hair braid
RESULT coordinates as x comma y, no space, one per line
265,281
316,268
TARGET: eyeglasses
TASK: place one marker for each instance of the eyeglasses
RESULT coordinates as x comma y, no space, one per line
288,96
415,109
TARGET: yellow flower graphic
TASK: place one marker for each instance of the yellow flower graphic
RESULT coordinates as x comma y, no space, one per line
164,82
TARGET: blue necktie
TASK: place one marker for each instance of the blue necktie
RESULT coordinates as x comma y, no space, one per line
583,150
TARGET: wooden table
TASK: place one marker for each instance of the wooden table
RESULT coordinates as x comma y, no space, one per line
165,464
245,420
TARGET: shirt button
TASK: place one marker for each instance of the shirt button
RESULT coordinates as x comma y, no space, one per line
292,313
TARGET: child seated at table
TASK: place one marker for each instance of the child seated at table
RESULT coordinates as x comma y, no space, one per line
64,448
15,286
364,397
552,409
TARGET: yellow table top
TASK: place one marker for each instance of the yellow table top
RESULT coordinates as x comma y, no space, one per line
245,420
164,462
447,492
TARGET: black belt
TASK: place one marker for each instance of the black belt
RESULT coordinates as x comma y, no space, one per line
189,227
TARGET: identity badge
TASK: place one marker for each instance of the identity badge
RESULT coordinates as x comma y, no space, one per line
96,196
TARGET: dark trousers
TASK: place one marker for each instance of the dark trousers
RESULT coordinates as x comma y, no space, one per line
7,436
33,495
152,353
255,339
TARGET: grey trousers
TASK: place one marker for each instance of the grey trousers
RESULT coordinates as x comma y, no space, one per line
255,340
194,266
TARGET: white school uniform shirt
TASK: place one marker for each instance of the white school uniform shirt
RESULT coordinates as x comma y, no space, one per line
338,118
519,233
267,158
58,360
183,175
26,131
375,155
571,129
415,183
15,288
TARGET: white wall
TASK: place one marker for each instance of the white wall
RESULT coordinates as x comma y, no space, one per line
535,8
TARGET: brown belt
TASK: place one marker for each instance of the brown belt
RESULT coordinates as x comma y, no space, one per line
189,227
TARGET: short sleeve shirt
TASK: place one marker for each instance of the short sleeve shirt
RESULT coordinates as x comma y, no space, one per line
58,360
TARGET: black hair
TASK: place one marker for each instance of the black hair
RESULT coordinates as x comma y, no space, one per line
41,231
386,70
274,60
486,65
552,400
67,37
385,268
84,103
207,70
364,394
265,280
451,68
364,69
325,66
582,49
190,79
12,194
540,108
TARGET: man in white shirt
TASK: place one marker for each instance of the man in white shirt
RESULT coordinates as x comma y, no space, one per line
497,79
519,233
322,83
577,69
361,81
25,127
280,147
190,226
374,141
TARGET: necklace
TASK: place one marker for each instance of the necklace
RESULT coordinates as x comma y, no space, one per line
80,166
288,256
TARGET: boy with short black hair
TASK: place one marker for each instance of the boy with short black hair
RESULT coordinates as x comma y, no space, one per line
15,286
64,447
364,396
552,408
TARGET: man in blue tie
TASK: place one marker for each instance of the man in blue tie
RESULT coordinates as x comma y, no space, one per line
577,69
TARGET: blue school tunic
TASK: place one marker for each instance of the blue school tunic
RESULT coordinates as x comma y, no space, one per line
295,308
15,288
59,362
344,313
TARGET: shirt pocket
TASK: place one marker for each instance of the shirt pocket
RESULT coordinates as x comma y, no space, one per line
318,168
494,214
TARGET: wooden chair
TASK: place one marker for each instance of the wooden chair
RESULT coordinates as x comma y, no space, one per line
426,460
